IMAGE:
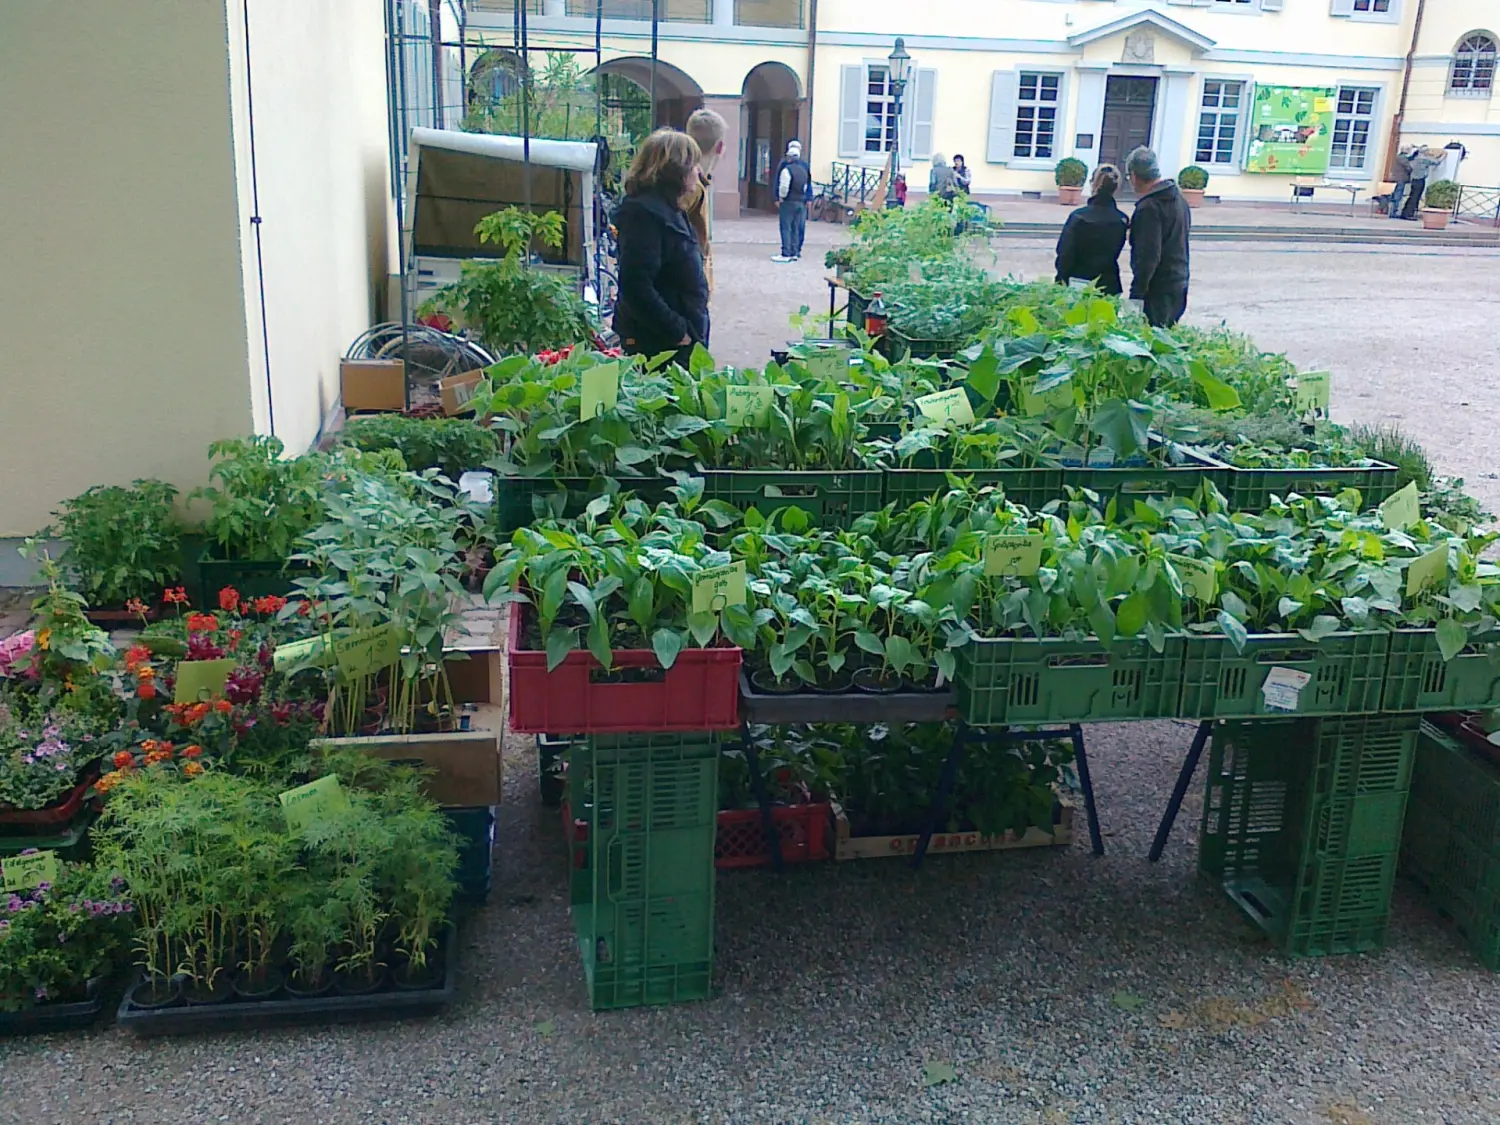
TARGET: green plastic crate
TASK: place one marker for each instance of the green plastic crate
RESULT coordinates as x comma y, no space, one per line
832,499
1025,680
901,346
643,903
1031,488
1250,490
1347,669
476,830
1448,776
1417,678
1442,862
519,500
1131,482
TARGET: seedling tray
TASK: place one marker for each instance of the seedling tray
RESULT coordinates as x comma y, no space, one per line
514,496
251,579
847,707
55,1017
1347,670
1417,678
1250,490
1031,488
831,498
243,1015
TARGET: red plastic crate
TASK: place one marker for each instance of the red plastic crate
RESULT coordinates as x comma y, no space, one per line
699,692
803,830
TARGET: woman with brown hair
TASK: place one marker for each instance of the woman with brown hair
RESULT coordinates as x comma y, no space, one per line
663,301
1088,250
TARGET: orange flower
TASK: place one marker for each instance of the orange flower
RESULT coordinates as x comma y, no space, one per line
272,603
149,745
229,599
135,605
193,769
175,595
109,781
145,673
43,638
202,623
193,751
123,760
147,690
136,656
158,757
197,713
223,706
304,608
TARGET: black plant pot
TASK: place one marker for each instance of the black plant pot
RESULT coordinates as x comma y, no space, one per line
320,987
838,683
765,681
155,993
407,979
220,992
268,984
359,983
869,681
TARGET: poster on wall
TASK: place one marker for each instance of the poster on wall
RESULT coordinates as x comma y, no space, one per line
763,161
1291,129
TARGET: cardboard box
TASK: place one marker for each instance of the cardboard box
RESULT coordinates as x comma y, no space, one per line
478,679
372,384
457,390
847,846
467,766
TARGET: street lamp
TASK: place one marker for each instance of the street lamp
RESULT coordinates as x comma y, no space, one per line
896,75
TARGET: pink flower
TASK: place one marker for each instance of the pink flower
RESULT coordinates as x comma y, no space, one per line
13,648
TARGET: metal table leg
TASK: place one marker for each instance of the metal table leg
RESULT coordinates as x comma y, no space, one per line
1086,783
1179,791
762,798
946,782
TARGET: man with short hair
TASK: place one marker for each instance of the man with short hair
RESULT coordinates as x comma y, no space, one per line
1158,241
706,128
793,190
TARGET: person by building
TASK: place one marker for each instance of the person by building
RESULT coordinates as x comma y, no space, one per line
793,190
707,130
1401,179
1159,232
1423,161
1088,249
663,301
961,174
940,181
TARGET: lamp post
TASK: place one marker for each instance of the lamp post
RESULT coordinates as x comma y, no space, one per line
896,75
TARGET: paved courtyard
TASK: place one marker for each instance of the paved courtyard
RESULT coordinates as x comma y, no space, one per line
1053,987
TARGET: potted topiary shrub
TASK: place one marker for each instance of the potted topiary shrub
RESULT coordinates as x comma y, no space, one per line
1070,174
1191,181
1438,204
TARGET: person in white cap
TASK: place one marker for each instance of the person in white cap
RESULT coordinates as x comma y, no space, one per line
793,190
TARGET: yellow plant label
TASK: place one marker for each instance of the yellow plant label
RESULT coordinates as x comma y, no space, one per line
294,653
1013,555
23,872
1200,578
599,390
314,801
1427,570
947,406
1313,390
1059,397
199,680
831,365
1402,509
749,406
367,650
715,587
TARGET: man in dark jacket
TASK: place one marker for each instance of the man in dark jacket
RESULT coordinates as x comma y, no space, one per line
793,190
1158,241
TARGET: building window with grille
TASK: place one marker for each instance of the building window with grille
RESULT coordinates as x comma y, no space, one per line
1353,120
880,110
1380,7
1036,115
1219,121
1473,71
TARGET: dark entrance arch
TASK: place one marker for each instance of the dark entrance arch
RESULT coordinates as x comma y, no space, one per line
770,116
677,94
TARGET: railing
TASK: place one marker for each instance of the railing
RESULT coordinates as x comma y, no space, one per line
675,11
507,7
854,186
768,13
1479,203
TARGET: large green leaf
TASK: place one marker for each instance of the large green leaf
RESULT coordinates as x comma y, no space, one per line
560,642
1123,425
1451,637
667,644
1218,394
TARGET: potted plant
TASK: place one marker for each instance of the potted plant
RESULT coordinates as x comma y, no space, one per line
839,259
1191,181
1070,174
124,545
1438,204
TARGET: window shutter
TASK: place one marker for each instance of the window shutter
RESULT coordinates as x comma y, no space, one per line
1270,5
918,126
1343,7
1003,95
1190,3
852,111
1245,124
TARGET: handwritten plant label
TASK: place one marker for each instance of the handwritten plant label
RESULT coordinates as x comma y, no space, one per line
1101,458
749,406
914,272
947,406
294,653
317,800
1282,689
1013,555
199,680
599,390
1059,397
829,364
715,587
1071,454
1402,509
1427,570
23,872
1200,578
367,650
1313,390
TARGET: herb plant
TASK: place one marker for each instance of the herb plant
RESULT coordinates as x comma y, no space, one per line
123,543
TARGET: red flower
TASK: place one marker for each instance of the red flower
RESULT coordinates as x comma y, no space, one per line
137,657
175,595
223,706
270,604
146,690
304,608
202,623
229,599
193,769
135,605
123,760
193,751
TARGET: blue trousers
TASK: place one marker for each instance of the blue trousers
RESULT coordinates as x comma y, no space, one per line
793,227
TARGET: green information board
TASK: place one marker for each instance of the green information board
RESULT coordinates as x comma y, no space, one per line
1291,130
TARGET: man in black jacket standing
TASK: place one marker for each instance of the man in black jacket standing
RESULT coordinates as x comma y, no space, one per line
1158,241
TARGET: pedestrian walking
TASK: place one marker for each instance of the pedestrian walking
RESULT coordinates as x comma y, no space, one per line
663,301
793,190
961,174
707,130
1401,178
940,181
1423,161
1088,250
1159,232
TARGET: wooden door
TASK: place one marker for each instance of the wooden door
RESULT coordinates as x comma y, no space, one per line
1129,108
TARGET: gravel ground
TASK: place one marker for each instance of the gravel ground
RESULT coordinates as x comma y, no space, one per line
1061,989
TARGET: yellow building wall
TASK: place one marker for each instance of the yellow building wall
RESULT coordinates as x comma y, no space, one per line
120,301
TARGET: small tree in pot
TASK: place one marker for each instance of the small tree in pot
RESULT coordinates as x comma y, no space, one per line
1070,174
1191,181
1438,204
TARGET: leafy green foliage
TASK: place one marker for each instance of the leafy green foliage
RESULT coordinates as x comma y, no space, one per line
1070,172
261,503
451,445
122,543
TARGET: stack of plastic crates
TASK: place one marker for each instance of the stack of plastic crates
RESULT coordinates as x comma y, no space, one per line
1452,839
641,814
1302,825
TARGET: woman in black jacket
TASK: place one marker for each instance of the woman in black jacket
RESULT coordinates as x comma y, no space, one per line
1089,247
663,300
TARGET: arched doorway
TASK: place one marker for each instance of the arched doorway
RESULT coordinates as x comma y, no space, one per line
677,94
770,116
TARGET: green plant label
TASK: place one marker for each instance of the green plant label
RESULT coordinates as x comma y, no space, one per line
317,800
1313,390
947,406
198,680
22,872
1013,555
749,406
1427,570
599,390
1101,458
1056,398
830,365
367,650
914,272
294,653
715,587
1282,689
1200,578
1402,509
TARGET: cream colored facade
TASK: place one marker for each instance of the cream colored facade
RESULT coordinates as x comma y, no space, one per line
131,303
984,72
